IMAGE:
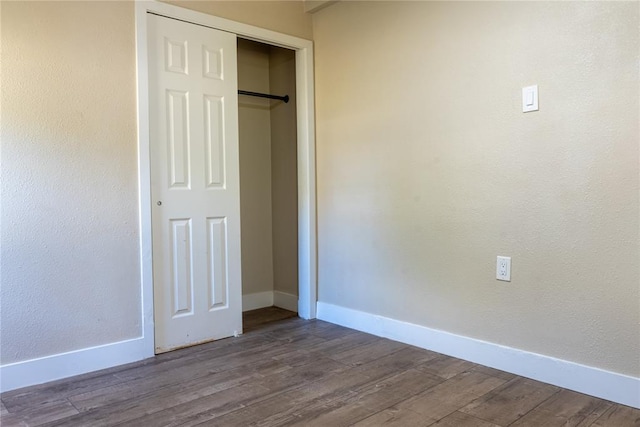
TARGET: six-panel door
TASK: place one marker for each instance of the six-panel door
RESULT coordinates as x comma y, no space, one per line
194,183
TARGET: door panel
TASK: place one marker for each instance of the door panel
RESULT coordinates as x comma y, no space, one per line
214,155
178,138
194,183
217,271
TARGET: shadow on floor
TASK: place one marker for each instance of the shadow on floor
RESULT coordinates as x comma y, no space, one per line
254,320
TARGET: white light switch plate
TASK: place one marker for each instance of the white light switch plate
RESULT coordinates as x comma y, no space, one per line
530,98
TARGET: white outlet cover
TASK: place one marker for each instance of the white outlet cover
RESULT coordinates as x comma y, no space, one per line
503,268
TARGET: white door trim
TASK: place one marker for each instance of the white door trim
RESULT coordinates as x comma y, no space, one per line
307,246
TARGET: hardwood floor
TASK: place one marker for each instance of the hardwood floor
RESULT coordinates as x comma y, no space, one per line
288,371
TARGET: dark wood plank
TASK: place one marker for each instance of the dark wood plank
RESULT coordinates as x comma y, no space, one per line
61,410
282,406
493,372
26,399
438,401
328,331
338,345
292,328
395,416
619,416
510,401
313,370
459,419
446,366
368,352
367,401
406,358
565,408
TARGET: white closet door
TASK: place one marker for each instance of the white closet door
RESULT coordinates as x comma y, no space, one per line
194,183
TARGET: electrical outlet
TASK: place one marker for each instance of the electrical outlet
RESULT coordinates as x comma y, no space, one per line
503,268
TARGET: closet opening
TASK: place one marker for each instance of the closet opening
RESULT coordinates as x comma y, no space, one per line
268,178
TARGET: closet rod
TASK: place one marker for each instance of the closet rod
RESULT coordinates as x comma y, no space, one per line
264,95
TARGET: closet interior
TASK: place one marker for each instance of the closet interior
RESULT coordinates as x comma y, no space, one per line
268,176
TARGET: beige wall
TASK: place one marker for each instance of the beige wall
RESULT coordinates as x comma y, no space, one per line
255,168
284,179
70,262
286,16
428,169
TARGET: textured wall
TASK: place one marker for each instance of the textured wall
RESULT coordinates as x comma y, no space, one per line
286,16
69,257
284,179
255,168
428,169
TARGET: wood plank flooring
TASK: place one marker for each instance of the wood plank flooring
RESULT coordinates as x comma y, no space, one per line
288,371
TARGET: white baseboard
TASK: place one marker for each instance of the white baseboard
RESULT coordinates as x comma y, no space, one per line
285,300
269,299
63,365
584,379
257,300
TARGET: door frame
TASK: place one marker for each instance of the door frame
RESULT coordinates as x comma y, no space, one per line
307,237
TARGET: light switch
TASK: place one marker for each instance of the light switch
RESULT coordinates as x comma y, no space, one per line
530,98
